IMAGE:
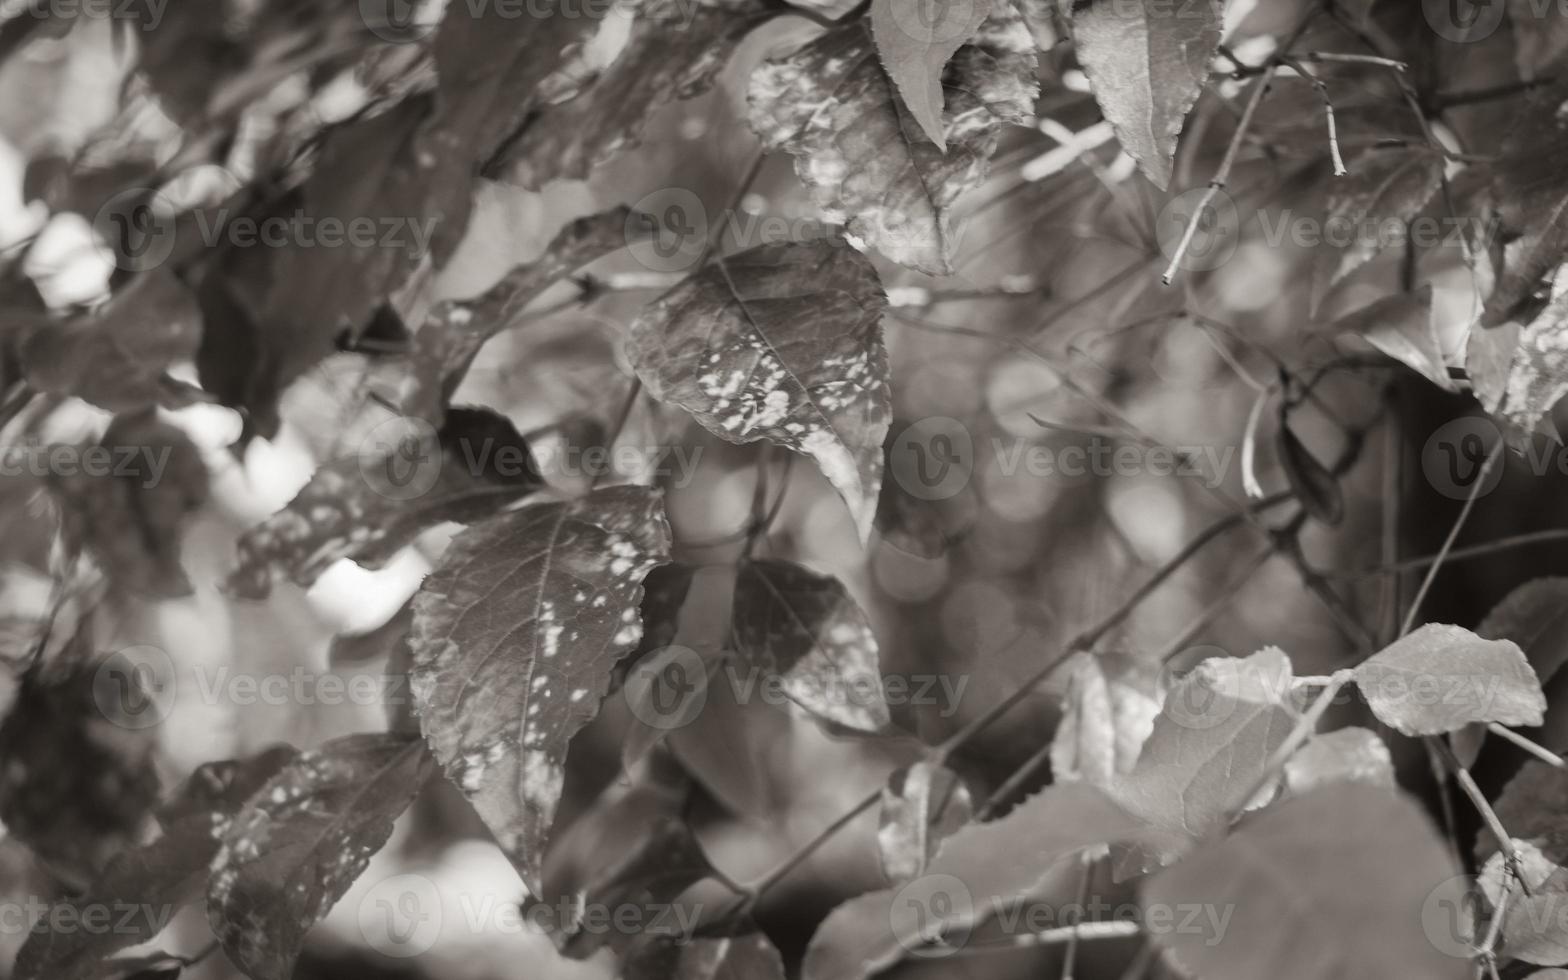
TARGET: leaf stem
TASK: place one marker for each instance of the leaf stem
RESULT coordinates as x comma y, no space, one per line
1453,533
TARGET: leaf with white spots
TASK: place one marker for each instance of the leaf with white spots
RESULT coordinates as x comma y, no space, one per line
1110,709
302,840
1146,64
864,156
366,507
158,878
1537,375
922,805
515,638
784,343
1441,678
805,629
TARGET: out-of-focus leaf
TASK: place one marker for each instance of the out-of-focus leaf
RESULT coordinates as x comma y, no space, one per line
127,502
1315,487
1489,354
1535,926
1291,886
1535,616
861,153
784,343
1440,678
805,629
1146,64
1349,754
302,840
374,645
674,52
914,43
515,638
115,356
445,345
1540,37
367,507
155,879
1108,714
1383,190
1211,743
922,805
979,870
1533,197
1534,807
749,957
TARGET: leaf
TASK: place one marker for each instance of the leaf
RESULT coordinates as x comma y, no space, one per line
349,650
1211,743
302,840
674,52
1108,714
1349,754
914,42
1440,678
1534,928
127,499
1384,189
452,334
1489,354
749,957
1538,371
1292,885
1534,807
1401,326
1315,487
155,879
1540,37
784,343
1533,198
368,507
1535,616
980,869
1146,64
923,804
861,153
805,629
642,855
115,356
514,641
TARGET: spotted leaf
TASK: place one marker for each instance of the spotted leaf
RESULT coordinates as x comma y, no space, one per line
674,52
865,157
1146,64
515,638
784,343
366,507
1109,711
922,805
1537,374
155,879
805,629
302,840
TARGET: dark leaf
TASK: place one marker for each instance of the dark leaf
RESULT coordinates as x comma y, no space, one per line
749,957
367,507
1315,487
116,355
1400,325
1535,616
128,501
1146,64
862,154
1533,198
143,887
1440,678
784,343
667,56
1210,745
914,44
297,846
1292,886
805,629
1384,189
980,869
922,805
1534,807
515,638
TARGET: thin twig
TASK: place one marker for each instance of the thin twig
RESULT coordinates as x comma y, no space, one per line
1453,533
1541,752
